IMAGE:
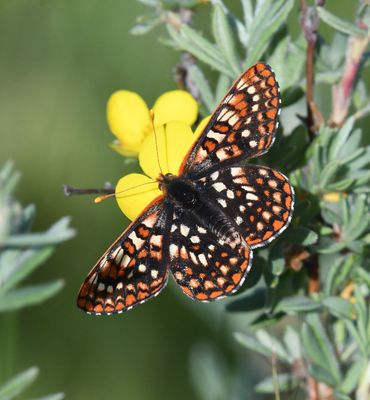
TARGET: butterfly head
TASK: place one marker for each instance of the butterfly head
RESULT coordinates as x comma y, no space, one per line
179,190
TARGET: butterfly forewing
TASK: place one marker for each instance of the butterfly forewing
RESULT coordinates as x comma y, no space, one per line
258,199
133,269
243,125
203,265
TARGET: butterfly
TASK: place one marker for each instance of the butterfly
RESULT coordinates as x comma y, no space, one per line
209,218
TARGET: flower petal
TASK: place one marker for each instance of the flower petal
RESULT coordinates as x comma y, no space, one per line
124,151
134,192
128,118
176,105
173,140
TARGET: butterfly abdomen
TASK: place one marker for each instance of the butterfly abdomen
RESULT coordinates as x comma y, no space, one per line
214,218
204,212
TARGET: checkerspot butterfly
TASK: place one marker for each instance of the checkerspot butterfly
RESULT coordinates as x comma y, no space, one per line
209,217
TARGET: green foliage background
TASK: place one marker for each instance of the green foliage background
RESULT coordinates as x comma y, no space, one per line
59,62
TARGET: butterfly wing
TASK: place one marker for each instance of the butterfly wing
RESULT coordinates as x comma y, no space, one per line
243,125
134,269
258,199
205,268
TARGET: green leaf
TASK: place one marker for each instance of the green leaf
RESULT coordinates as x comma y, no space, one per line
29,295
252,344
340,396
353,376
339,307
194,43
329,172
339,24
352,330
322,375
340,138
284,382
23,265
275,347
265,319
267,21
223,84
202,84
301,236
18,384
294,304
277,259
55,396
225,40
293,343
334,268
341,185
57,233
319,349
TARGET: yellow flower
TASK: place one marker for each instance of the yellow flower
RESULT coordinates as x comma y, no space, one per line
135,191
129,119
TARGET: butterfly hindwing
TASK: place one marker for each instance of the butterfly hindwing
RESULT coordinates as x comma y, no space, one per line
133,270
205,268
243,125
258,199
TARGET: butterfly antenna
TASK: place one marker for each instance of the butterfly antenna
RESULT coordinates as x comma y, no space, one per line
156,140
99,199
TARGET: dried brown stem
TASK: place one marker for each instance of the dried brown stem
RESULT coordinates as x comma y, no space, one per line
72,191
310,22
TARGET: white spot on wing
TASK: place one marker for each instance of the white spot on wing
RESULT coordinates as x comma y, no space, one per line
219,186
222,202
251,196
184,230
230,194
202,259
201,230
142,268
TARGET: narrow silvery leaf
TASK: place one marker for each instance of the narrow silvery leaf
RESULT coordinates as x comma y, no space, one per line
29,295
339,24
321,375
247,12
26,262
285,382
334,268
223,84
225,40
341,138
341,185
192,42
338,307
301,235
273,345
293,342
55,396
276,16
204,89
18,384
352,376
318,347
294,304
252,344
329,172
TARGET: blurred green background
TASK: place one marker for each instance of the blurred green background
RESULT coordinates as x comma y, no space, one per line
59,62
